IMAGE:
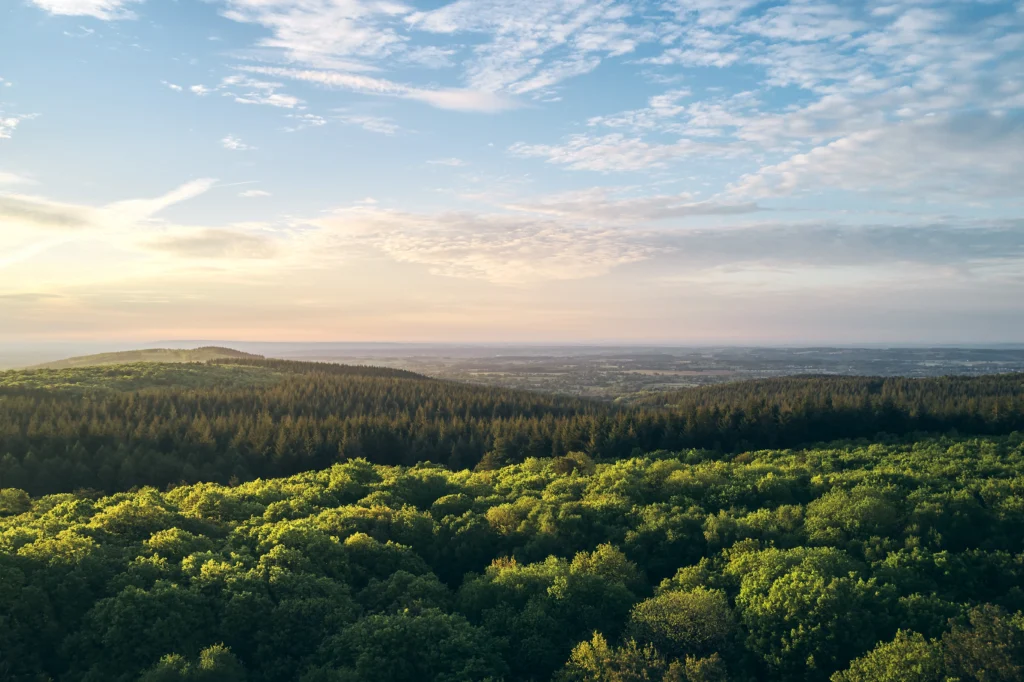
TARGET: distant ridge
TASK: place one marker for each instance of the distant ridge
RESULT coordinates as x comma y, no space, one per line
319,367
202,354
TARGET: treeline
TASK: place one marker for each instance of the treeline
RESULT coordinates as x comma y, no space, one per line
329,368
791,411
306,416
941,398
849,564
294,417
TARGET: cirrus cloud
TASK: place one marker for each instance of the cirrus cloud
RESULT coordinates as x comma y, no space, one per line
106,10
970,156
217,243
504,249
612,152
235,144
9,123
455,99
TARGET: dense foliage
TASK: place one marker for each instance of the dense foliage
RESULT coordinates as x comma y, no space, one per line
113,428
850,563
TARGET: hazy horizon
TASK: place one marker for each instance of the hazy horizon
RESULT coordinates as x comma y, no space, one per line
143,343
14,355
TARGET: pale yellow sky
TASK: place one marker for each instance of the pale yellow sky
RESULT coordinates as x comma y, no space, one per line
368,273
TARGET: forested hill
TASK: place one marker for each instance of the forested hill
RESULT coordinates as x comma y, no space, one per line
112,428
854,564
143,376
792,410
203,354
936,395
239,420
328,368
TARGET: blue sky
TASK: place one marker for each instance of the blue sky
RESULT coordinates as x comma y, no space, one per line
679,171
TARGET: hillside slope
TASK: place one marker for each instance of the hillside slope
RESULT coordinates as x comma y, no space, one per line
203,354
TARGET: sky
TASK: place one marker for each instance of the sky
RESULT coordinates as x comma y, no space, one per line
676,171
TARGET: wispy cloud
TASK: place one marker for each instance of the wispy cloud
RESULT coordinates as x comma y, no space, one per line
235,144
38,225
106,10
504,249
9,122
373,124
274,100
804,22
30,214
8,178
246,90
254,91
608,153
710,12
970,156
603,206
322,32
456,99
303,121
254,193
218,243
38,213
964,245
430,56
530,47
575,243
132,211
863,75
451,161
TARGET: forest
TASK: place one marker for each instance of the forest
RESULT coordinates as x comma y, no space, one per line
113,428
267,520
848,563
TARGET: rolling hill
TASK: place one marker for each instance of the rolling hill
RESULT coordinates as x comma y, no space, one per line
239,370
203,354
